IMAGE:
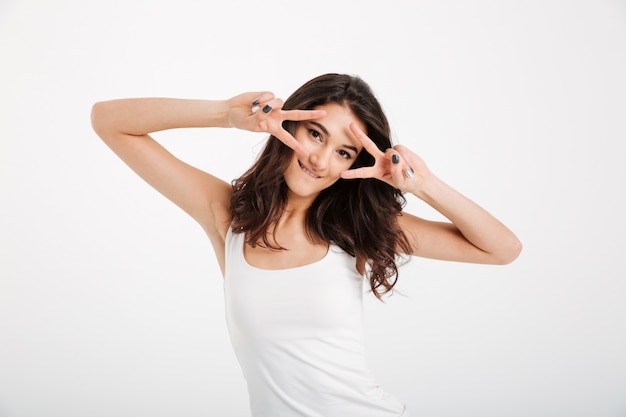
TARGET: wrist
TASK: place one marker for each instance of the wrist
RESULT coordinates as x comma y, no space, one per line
217,113
428,188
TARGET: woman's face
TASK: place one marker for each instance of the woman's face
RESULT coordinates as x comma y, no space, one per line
333,149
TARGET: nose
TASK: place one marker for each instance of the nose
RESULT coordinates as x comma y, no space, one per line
319,159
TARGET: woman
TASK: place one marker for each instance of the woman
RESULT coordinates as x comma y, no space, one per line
296,234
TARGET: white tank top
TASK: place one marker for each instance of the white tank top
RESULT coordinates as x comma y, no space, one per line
299,338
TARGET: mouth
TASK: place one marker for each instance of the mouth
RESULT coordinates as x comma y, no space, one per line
308,171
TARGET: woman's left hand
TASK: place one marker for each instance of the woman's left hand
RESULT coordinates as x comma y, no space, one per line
473,235
397,166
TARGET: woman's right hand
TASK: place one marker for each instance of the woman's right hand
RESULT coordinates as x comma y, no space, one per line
269,117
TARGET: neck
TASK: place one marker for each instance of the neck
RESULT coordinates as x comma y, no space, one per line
293,218
297,206
290,226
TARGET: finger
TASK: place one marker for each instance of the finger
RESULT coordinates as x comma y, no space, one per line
263,108
274,126
259,101
255,99
365,172
411,162
366,141
260,97
290,141
396,164
298,115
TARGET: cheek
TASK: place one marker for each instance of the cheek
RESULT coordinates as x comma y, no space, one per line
341,165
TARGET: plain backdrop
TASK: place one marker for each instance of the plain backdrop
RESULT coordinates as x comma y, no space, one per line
110,296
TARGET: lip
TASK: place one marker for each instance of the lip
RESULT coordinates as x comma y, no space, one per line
308,171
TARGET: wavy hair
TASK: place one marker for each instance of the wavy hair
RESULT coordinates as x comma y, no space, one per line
358,215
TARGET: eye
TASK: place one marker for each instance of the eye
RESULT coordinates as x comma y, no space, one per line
344,154
315,135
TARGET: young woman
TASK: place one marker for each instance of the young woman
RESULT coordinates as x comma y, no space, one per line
296,236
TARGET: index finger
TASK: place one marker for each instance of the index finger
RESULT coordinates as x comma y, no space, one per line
290,141
366,141
363,172
299,115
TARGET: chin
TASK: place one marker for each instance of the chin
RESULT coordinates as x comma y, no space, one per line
302,190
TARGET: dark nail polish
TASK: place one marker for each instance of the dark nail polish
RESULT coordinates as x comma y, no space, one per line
267,109
395,159
255,102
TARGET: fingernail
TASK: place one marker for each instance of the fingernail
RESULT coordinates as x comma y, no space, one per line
395,159
267,109
255,102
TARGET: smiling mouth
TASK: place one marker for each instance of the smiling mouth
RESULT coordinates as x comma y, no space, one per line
307,171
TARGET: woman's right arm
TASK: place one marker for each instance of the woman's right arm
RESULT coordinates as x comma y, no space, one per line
124,125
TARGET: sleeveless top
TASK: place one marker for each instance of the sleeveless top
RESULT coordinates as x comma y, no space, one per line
298,335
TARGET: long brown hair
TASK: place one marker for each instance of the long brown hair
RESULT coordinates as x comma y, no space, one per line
358,215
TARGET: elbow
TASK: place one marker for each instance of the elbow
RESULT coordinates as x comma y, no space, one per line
509,252
100,118
96,117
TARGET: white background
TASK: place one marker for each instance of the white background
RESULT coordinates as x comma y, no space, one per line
110,297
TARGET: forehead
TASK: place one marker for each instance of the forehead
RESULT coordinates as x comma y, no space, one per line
339,114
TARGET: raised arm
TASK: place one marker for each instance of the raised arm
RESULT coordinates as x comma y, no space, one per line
125,124
472,235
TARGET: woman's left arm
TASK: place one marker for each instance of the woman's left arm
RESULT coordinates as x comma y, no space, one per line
472,235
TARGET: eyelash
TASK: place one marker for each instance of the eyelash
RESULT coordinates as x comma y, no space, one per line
317,137
345,154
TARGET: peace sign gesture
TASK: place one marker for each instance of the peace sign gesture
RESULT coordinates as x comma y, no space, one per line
262,112
397,166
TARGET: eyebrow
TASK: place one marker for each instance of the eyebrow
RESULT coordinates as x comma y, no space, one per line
323,129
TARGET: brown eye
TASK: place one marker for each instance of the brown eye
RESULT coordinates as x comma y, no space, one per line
315,135
345,154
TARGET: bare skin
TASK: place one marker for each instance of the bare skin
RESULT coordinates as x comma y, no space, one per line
331,148
471,235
